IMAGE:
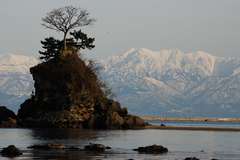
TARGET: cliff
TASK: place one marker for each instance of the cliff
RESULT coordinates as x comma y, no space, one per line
68,94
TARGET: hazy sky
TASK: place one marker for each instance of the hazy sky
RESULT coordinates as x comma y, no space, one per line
189,25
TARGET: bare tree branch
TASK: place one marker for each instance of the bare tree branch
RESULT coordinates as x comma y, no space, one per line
66,19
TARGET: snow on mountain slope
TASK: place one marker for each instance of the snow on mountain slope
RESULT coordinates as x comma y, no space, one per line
170,82
16,63
15,80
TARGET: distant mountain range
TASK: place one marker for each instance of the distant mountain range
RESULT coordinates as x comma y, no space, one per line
16,83
166,82
172,83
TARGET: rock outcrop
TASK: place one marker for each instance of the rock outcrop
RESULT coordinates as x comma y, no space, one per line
68,94
153,149
7,118
11,151
96,147
191,158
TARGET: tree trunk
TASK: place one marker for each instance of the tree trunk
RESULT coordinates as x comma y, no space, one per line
64,40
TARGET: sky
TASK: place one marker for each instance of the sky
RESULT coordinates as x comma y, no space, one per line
212,26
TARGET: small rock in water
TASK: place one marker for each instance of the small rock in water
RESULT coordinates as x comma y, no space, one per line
96,147
153,149
73,148
163,125
107,147
191,158
48,146
11,151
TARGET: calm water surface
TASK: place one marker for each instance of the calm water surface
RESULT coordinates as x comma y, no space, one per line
202,144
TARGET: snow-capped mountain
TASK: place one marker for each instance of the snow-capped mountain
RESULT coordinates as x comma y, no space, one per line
166,82
16,83
172,83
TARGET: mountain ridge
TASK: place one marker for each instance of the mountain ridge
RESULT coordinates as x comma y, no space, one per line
169,82
16,83
191,75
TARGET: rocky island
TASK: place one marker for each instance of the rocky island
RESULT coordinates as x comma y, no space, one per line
68,93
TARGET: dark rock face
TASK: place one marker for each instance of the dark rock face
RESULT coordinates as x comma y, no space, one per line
96,148
191,158
153,149
11,151
69,95
7,118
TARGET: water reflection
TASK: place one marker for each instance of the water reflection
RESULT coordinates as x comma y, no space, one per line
50,134
68,137
62,155
201,144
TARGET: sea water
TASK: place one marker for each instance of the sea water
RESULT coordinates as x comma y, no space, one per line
204,145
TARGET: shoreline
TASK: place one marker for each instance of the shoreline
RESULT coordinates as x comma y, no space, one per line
200,119
225,129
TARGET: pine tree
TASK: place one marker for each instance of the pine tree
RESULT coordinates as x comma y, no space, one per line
82,40
52,48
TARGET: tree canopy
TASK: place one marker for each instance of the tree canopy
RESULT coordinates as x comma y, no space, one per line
66,19
53,47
